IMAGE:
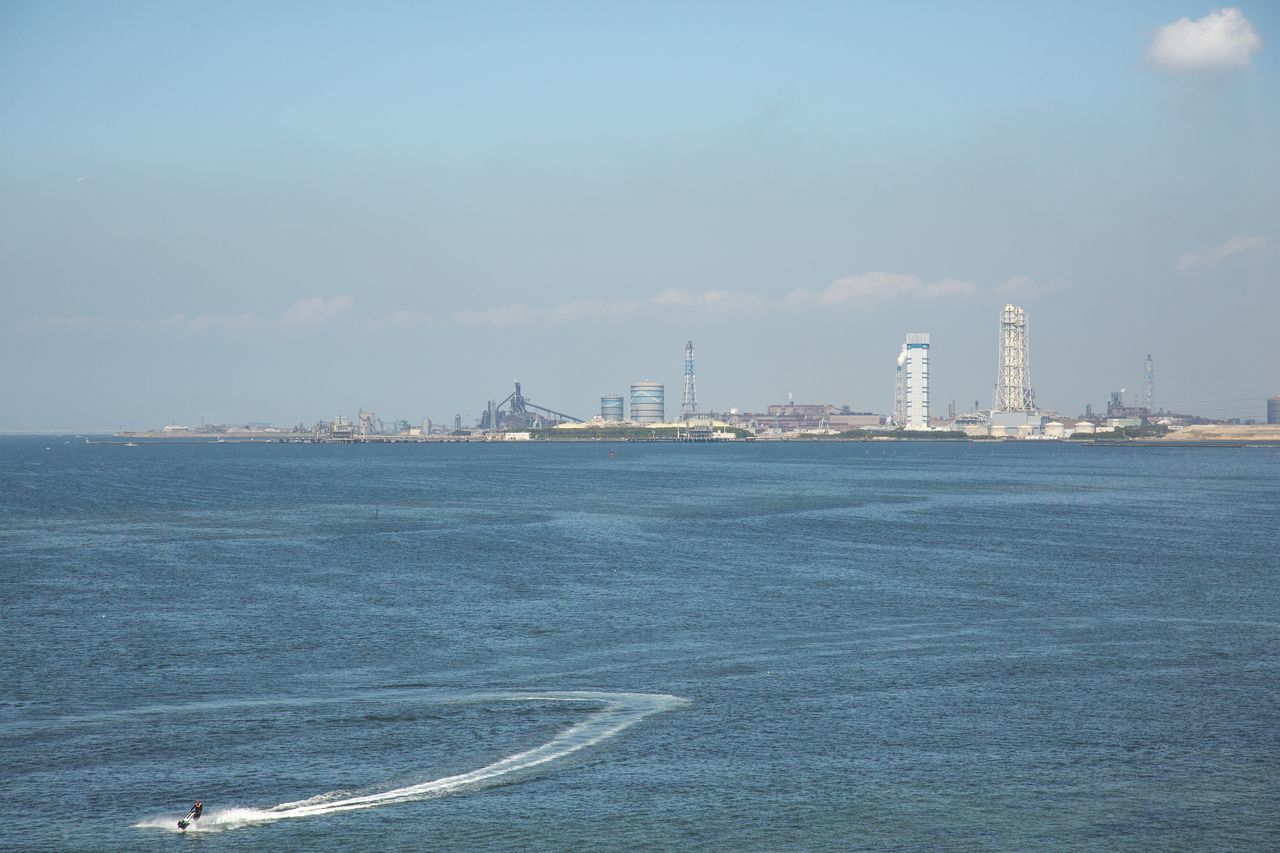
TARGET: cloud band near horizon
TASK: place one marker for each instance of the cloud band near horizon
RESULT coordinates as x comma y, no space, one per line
319,312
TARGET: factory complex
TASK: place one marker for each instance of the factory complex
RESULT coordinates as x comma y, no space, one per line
641,413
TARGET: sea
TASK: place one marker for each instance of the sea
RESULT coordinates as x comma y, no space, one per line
732,646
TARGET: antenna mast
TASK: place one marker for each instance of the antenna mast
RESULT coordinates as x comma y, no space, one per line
1150,389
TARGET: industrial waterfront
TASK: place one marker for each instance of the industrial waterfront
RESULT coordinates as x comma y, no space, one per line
642,414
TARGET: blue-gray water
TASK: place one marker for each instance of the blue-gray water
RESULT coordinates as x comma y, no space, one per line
881,646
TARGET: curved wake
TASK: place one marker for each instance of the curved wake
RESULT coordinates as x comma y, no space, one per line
620,711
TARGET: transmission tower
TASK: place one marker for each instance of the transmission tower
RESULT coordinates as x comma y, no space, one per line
1150,389
1013,369
689,401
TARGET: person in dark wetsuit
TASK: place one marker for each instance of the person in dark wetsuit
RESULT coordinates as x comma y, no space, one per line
192,816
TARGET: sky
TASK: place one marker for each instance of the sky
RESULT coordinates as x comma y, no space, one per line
231,212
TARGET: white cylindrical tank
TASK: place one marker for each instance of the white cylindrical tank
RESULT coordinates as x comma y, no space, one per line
1054,429
647,402
1086,427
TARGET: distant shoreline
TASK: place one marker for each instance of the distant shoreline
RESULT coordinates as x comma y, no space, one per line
241,438
126,437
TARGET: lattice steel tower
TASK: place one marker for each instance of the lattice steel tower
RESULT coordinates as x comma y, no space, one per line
1150,401
689,400
898,416
1013,369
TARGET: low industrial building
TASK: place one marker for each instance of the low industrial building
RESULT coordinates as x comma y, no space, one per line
802,417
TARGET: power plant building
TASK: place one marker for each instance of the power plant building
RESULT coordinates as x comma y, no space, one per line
647,402
911,383
611,408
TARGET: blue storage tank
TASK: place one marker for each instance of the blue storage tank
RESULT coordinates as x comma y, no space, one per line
611,407
647,403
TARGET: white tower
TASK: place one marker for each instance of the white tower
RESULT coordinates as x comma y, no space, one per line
1013,369
915,381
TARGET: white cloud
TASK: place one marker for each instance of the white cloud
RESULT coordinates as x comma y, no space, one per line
675,297
503,316
316,311
401,319
1238,244
870,287
320,311
592,309
577,310
948,287
220,322
879,286
1220,41
1025,287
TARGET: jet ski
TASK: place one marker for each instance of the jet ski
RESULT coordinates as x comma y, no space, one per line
192,816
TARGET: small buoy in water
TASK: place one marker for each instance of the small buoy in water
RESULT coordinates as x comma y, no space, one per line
610,454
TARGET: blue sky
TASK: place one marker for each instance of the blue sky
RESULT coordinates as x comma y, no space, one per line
289,211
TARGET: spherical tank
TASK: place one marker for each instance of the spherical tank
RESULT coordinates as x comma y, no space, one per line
611,407
647,405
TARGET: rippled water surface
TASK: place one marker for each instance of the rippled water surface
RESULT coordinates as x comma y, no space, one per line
806,646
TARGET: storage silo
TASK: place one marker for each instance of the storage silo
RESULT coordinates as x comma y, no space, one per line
647,404
611,407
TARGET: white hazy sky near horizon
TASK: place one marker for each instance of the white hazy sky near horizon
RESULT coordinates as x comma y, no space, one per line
284,212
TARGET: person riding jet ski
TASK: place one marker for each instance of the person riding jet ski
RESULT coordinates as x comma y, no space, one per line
192,815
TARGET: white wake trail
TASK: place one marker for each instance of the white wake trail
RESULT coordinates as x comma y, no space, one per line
620,711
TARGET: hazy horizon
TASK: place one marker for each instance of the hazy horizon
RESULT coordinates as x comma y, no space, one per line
283,213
